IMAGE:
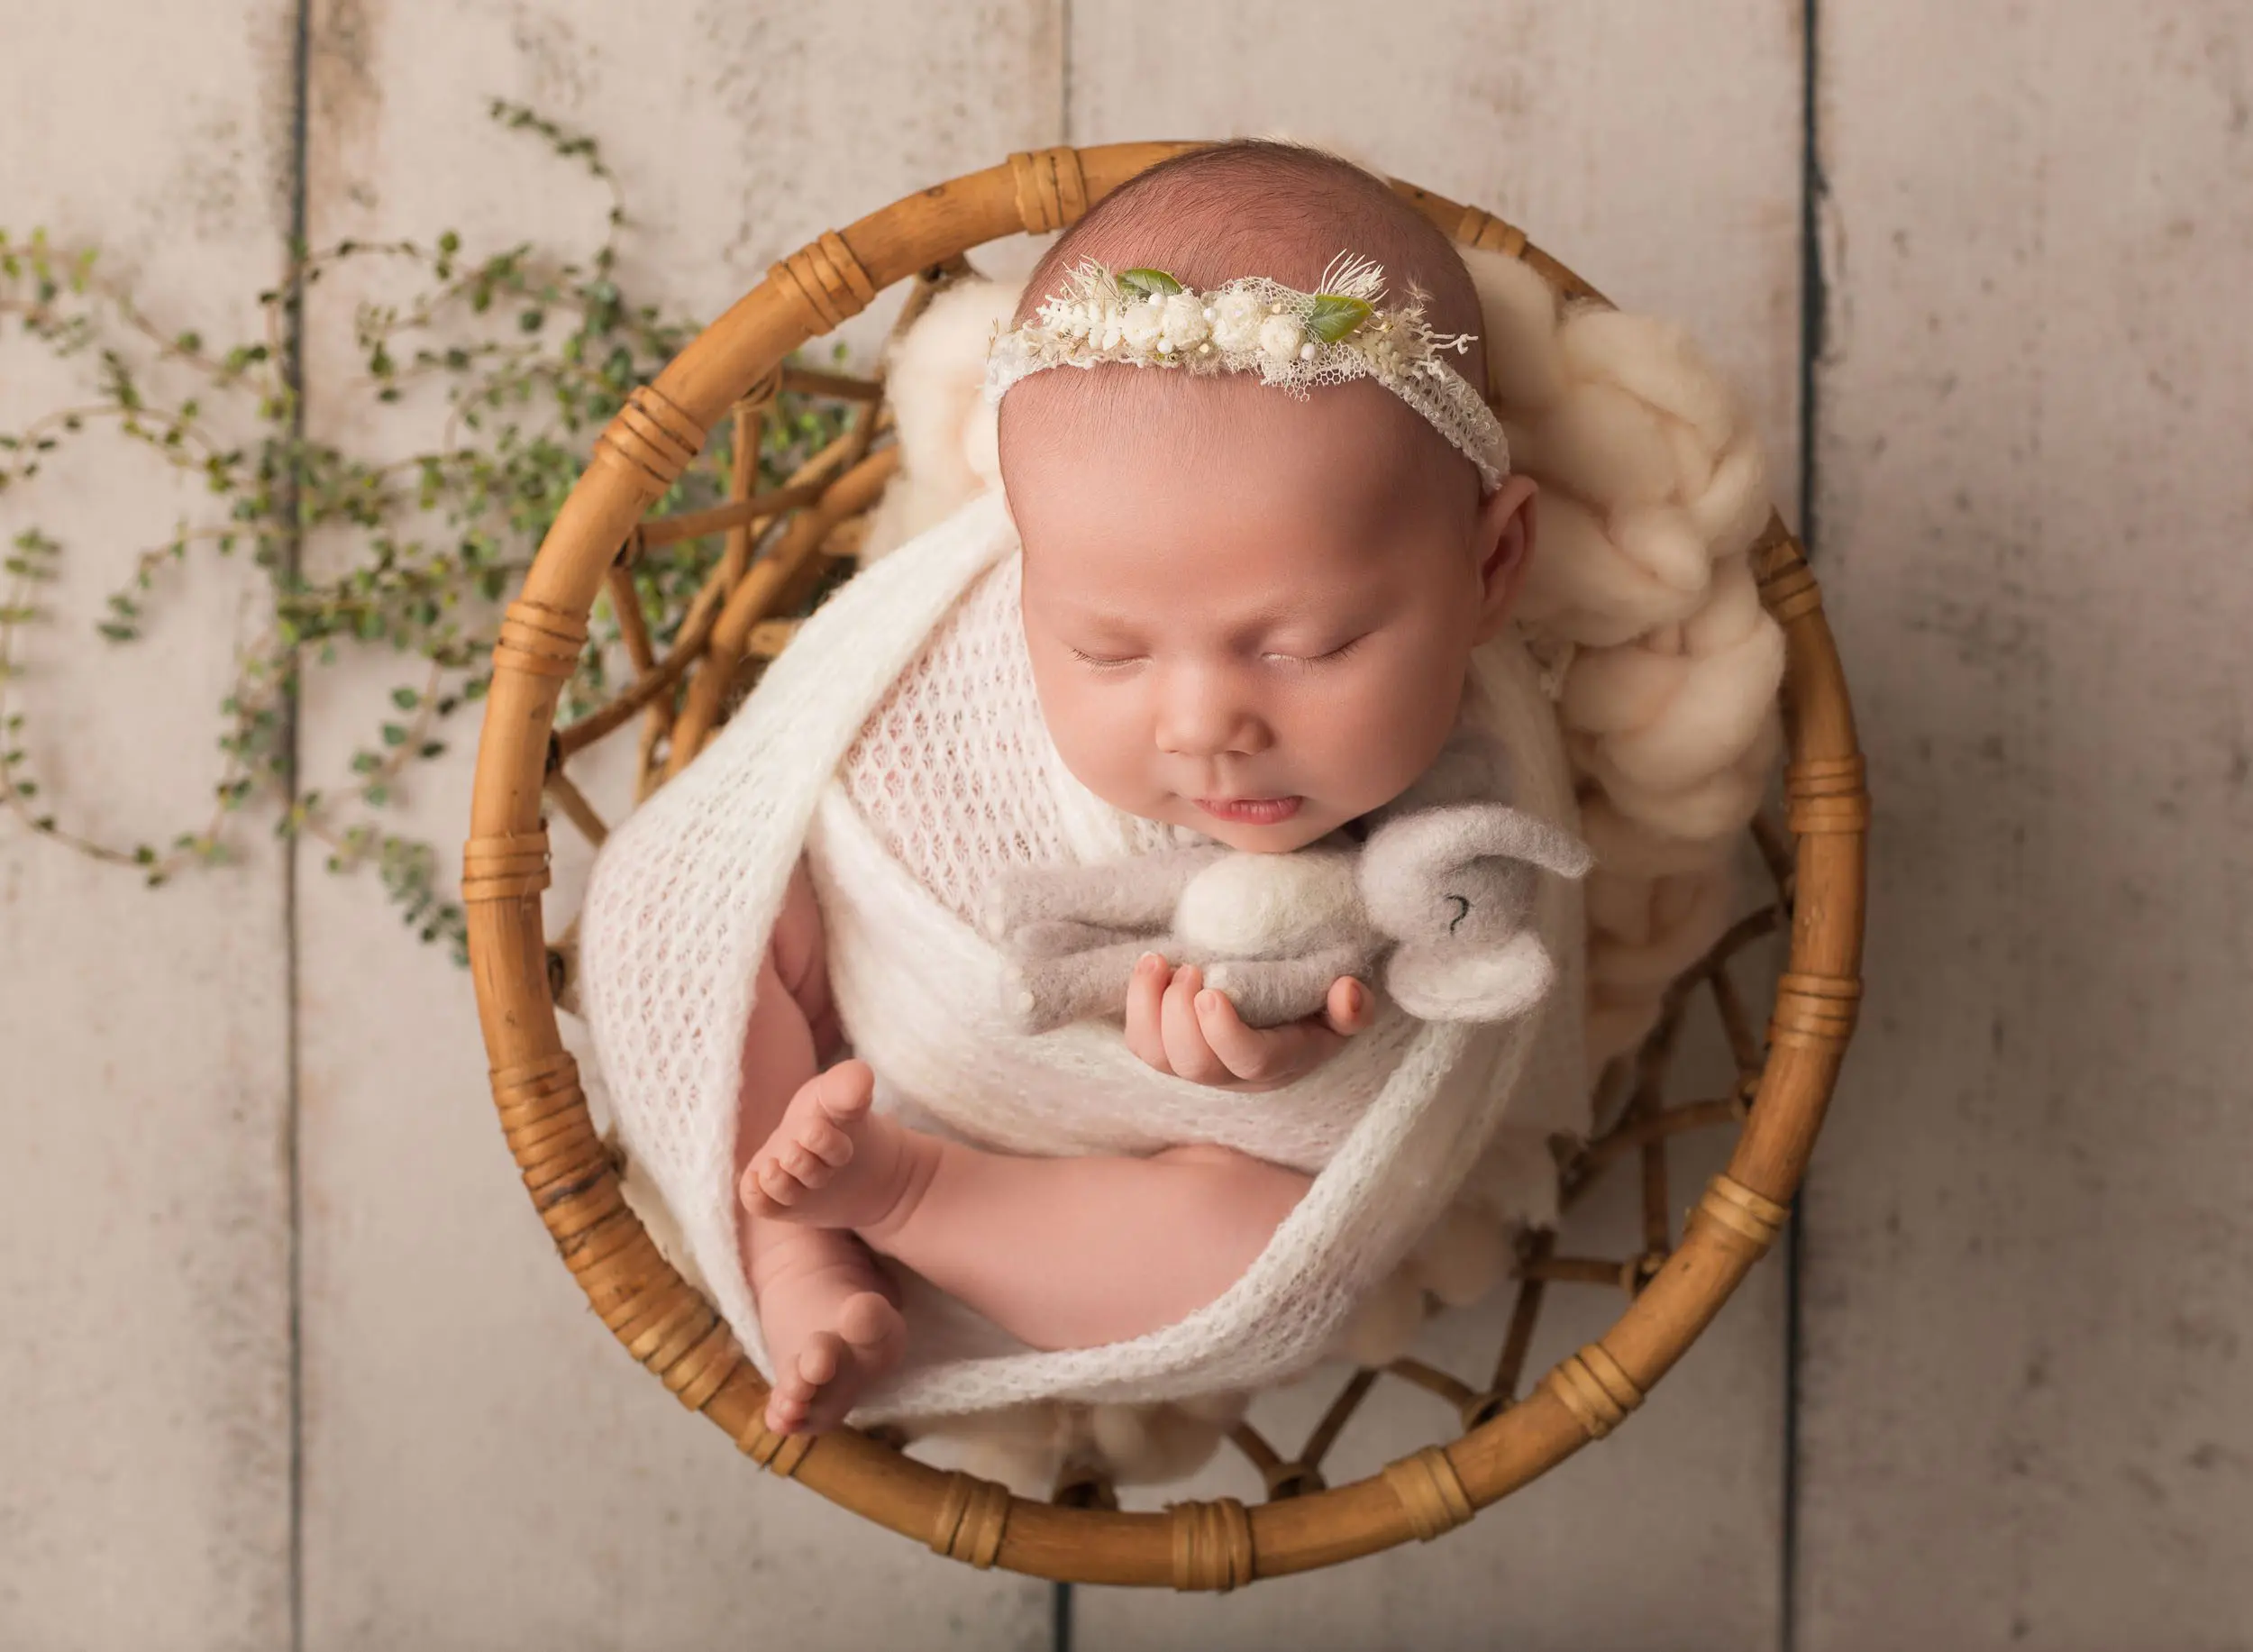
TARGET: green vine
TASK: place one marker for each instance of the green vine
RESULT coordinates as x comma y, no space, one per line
534,353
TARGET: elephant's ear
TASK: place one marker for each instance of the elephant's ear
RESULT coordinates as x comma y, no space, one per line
1409,863
1434,982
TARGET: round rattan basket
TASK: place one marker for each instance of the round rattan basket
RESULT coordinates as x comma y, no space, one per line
780,545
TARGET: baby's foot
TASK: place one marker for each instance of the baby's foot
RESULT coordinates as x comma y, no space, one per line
830,1331
831,1163
813,1390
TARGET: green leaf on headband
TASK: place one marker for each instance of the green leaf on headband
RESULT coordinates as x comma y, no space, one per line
1335,317
1142,283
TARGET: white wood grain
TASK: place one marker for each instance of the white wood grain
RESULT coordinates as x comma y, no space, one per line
2030,1255
144,1388
486,1466
1655,150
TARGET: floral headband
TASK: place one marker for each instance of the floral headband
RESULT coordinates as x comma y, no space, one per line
1292,339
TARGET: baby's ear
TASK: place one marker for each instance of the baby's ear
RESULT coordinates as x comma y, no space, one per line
1504,540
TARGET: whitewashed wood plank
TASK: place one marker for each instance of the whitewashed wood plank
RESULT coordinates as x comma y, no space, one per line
2029,1264
486,1466
145,1452
1656,150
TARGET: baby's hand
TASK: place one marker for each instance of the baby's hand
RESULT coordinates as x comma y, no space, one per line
1178,1026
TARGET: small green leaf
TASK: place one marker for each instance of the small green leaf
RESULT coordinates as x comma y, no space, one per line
1146,282
1335,317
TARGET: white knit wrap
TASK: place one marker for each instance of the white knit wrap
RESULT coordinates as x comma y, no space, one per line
683,900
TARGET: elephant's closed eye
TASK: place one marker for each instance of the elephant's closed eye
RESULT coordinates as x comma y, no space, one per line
1463,911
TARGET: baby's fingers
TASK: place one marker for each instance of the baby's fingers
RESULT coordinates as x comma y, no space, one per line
1253,1054
1188,1053
1349,1009
1145,997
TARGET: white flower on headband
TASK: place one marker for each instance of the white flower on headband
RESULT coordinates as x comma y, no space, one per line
1236,317
1185,323
1294,339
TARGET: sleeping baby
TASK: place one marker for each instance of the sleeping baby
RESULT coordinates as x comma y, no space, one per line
1264,528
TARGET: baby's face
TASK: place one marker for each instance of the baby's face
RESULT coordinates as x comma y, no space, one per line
1252,618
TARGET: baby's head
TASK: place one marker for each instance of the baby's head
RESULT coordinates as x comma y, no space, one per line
1249,614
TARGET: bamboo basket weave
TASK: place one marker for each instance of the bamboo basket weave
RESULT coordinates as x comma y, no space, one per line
778,546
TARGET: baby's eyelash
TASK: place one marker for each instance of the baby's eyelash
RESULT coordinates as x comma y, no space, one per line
1335,655
1103,662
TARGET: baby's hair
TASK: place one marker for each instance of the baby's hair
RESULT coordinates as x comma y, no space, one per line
1263,206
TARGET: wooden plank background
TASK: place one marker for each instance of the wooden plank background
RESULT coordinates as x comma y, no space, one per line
2028,1291
2027,1280
146,1426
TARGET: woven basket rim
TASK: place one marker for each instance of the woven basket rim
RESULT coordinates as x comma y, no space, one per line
668,1326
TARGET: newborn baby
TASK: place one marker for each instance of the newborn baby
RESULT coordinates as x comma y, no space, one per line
1249,614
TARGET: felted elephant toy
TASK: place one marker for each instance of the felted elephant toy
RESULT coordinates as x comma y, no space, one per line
1437,901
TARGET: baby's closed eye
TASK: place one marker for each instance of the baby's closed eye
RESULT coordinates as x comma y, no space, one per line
1323,656
1103,662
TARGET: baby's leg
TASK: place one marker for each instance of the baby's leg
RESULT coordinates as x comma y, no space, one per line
1072,1253
1063,1252
827,1310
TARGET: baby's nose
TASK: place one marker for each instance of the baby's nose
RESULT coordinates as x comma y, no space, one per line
1203,719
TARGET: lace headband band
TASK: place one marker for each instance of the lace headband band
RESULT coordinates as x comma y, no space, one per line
1294,339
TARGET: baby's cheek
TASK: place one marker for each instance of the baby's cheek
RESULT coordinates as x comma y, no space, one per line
1382,737
1102,744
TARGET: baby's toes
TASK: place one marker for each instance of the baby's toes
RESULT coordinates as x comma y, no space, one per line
799,1383
768,1186
804,1166
784,1416
817,1361
870,1327
828,1147
843,1093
